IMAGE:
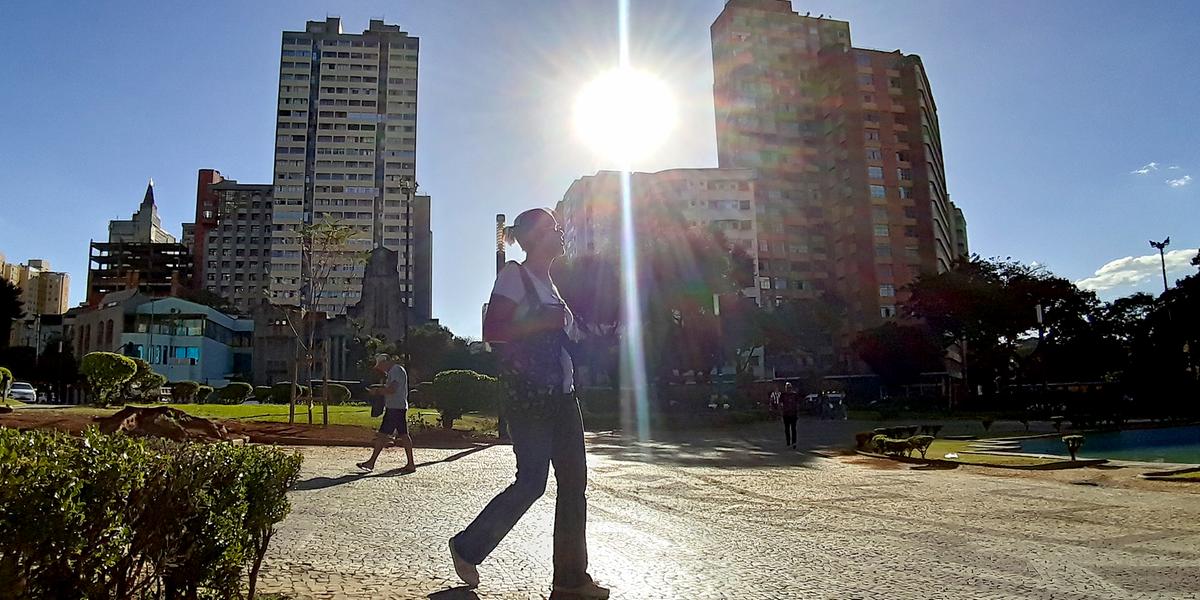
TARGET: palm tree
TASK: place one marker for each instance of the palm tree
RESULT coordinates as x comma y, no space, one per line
11,309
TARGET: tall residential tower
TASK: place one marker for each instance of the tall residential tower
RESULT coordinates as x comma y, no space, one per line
848,150
345,151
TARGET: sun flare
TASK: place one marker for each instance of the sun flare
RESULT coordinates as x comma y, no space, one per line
624,115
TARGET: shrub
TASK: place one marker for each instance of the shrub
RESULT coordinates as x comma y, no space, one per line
931,430
145,383
105,373
987,423
1074,443
204,394
920,443
100,516
235,392
262,393
184,391
456,392
338,393
281,393
6,379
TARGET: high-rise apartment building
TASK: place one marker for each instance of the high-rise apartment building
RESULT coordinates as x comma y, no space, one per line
231,245
43,292
848,148
722,199
345,151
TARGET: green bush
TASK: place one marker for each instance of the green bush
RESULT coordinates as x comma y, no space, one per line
100,516
262,394
281,393
184,391
144,385
920,443
456,392
234,393
204,394
6,380
105,373
338,393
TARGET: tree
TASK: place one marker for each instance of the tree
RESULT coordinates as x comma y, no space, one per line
6,381
106,373
144,384
184,391
898,353
325,247
454,393
11,309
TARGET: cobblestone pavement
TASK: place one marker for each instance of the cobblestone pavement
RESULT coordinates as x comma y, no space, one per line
732,520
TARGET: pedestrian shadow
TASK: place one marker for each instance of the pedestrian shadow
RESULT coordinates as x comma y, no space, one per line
320,483
461,592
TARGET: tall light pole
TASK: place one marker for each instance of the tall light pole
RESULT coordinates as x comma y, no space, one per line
1162,257
410,187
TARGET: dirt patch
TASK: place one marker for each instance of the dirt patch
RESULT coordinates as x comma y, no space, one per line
258,432
874,463
164,422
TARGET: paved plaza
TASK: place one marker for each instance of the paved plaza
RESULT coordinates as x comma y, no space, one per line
739,519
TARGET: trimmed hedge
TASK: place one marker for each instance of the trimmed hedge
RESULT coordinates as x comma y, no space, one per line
281,393
184,391
204,394
262,394
106,373
234,393
111,516
338,393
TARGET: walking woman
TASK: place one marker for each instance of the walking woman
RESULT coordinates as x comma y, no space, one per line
531,327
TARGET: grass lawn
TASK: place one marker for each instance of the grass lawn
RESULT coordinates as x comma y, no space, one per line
939,448
338,415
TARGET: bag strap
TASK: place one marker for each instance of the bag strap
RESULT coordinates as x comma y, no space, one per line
530,290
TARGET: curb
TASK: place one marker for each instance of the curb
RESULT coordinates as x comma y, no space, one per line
1053,466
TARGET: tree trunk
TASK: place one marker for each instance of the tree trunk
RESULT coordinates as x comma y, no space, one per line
325,387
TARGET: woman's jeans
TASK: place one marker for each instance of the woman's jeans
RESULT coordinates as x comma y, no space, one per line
538,443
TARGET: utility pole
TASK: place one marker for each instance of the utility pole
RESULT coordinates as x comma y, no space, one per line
1162,258
501,258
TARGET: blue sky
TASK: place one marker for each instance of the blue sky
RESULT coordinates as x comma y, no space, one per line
1046,108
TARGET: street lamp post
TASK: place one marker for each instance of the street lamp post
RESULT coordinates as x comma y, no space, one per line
409,186
1162,257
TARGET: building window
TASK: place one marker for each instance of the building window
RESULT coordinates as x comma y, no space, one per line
887,290
864,60
902,156
874,154
910,212
875,172
910,231
764,246
871,135
780,283
883,251
884,272
879,214
878,191
881,231
872,117
887,311
905,192
904,174
865,80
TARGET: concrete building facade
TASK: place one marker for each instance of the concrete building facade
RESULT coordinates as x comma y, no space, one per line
848,148
232,239
345,152
43,292
139,254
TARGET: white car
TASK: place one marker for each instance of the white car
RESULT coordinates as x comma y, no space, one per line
22,391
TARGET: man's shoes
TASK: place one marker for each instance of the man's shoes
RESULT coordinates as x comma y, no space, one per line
365,466
465,570
588,591
408,469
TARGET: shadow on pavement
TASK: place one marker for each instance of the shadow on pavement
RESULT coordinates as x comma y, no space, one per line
461,592
320,483
726,449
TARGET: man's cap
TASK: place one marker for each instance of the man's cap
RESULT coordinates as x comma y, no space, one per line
381,358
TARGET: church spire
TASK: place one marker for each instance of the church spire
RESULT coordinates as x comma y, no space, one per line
148,200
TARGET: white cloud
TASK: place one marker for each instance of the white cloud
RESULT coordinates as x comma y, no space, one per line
1173,167
1146,169
1131,271
1182,181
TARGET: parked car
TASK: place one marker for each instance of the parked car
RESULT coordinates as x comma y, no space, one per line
22,391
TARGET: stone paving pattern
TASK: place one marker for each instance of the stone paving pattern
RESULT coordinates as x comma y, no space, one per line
733,520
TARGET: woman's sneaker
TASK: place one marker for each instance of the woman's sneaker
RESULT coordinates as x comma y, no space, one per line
589,591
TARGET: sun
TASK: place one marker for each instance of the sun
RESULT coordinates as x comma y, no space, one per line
624,115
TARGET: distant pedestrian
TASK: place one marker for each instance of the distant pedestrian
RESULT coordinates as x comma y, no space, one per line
531,328
395,413
789,409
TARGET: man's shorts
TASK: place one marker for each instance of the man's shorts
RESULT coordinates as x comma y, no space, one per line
395,422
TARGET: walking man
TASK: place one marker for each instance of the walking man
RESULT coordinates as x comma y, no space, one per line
395,414
790,411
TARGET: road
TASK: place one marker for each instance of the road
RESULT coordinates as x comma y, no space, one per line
738,518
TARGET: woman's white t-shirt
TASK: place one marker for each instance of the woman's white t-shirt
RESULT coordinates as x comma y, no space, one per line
509,285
